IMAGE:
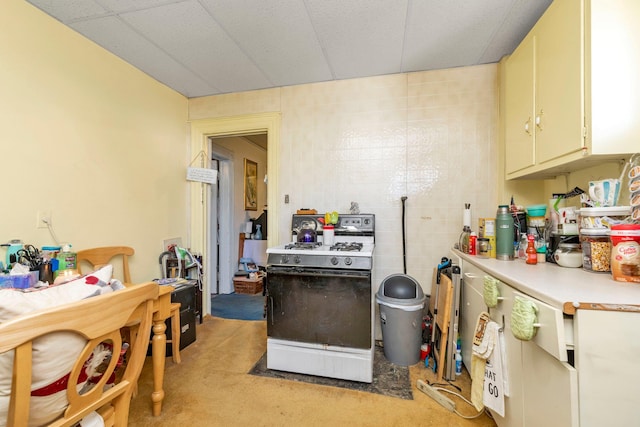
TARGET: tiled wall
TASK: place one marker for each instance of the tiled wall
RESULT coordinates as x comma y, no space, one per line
430,136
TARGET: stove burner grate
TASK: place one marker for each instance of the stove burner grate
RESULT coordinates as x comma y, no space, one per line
344,246
303,245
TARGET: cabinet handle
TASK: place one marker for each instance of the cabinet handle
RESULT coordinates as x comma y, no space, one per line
539,120
527,126
470,276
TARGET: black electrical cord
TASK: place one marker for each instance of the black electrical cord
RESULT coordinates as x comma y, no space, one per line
404,240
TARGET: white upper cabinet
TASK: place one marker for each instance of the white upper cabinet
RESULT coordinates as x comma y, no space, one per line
572,89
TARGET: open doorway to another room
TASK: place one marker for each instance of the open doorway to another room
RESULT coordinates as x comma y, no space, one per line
225,262
238,204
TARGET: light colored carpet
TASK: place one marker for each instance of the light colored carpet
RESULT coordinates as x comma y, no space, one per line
212,387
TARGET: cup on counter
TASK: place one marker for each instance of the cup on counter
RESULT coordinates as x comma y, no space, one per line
46,273
328,235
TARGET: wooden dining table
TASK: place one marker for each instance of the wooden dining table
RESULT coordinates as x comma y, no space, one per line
161,312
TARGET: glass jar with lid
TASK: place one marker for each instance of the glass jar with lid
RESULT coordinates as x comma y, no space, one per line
596,249
568,255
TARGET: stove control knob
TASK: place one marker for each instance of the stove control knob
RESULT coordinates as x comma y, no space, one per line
348,261
285,259
334,260
296,259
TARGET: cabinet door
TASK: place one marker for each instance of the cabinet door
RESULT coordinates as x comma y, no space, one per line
513,403
471,305
559,81
519,108
550,389
607,351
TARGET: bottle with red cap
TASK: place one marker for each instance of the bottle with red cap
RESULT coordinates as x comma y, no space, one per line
473,238
532,253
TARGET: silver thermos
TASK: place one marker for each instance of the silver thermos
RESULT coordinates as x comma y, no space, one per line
504,233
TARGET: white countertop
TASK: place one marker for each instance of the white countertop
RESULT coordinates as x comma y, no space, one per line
557,285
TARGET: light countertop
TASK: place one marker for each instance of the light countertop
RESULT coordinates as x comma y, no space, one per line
556,285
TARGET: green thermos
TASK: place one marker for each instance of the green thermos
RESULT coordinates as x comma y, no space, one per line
504,233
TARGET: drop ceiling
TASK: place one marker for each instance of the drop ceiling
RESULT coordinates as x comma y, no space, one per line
208,47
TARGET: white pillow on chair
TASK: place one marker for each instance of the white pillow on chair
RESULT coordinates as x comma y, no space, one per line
54,354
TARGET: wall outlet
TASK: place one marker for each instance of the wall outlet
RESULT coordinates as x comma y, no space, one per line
43,219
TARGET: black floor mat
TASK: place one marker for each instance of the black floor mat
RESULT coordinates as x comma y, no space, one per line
388,379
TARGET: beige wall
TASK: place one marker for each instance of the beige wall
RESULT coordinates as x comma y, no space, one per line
89,138
430,136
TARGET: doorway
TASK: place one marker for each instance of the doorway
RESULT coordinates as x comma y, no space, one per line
228,215
221,271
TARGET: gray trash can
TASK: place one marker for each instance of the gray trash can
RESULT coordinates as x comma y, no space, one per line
401,303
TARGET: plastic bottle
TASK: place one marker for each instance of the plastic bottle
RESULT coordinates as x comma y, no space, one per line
532,253
472,243
504,234
463,241
522,247
67,260
458,358
258,235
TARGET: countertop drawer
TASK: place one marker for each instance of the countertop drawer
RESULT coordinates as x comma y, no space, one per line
550,335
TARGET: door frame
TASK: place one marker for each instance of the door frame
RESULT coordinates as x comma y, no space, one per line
200,194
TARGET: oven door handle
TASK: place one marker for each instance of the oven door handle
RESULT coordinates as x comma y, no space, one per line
341,275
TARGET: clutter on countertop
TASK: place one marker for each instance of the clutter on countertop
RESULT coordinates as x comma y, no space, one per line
599,231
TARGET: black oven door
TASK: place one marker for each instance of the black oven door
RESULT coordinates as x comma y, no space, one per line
319,306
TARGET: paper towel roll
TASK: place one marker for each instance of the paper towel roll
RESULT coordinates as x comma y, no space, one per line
466,217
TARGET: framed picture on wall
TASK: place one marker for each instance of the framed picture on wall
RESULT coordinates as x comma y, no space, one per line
250,185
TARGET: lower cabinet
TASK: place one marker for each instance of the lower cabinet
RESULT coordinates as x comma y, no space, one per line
542,384
513,402
549,389
471,305
607,349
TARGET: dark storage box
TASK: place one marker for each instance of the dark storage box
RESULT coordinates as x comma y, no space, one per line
185,294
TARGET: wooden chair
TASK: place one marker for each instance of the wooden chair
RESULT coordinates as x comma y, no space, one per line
97,319
99,257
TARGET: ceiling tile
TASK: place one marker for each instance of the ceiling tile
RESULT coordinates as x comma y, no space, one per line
69,10
119,6
277,36
450,34
187,33
116,36
360,37
517,23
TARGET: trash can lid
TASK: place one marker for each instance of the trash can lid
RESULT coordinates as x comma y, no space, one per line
400,289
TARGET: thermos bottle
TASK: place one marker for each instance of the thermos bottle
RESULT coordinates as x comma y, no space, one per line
504,233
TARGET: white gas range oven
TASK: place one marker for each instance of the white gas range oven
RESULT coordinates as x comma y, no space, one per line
320,301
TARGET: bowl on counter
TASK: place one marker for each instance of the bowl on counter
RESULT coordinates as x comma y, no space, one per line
568,255
536,210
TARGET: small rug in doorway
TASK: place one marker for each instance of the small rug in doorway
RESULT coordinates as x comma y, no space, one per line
238,306
388,379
